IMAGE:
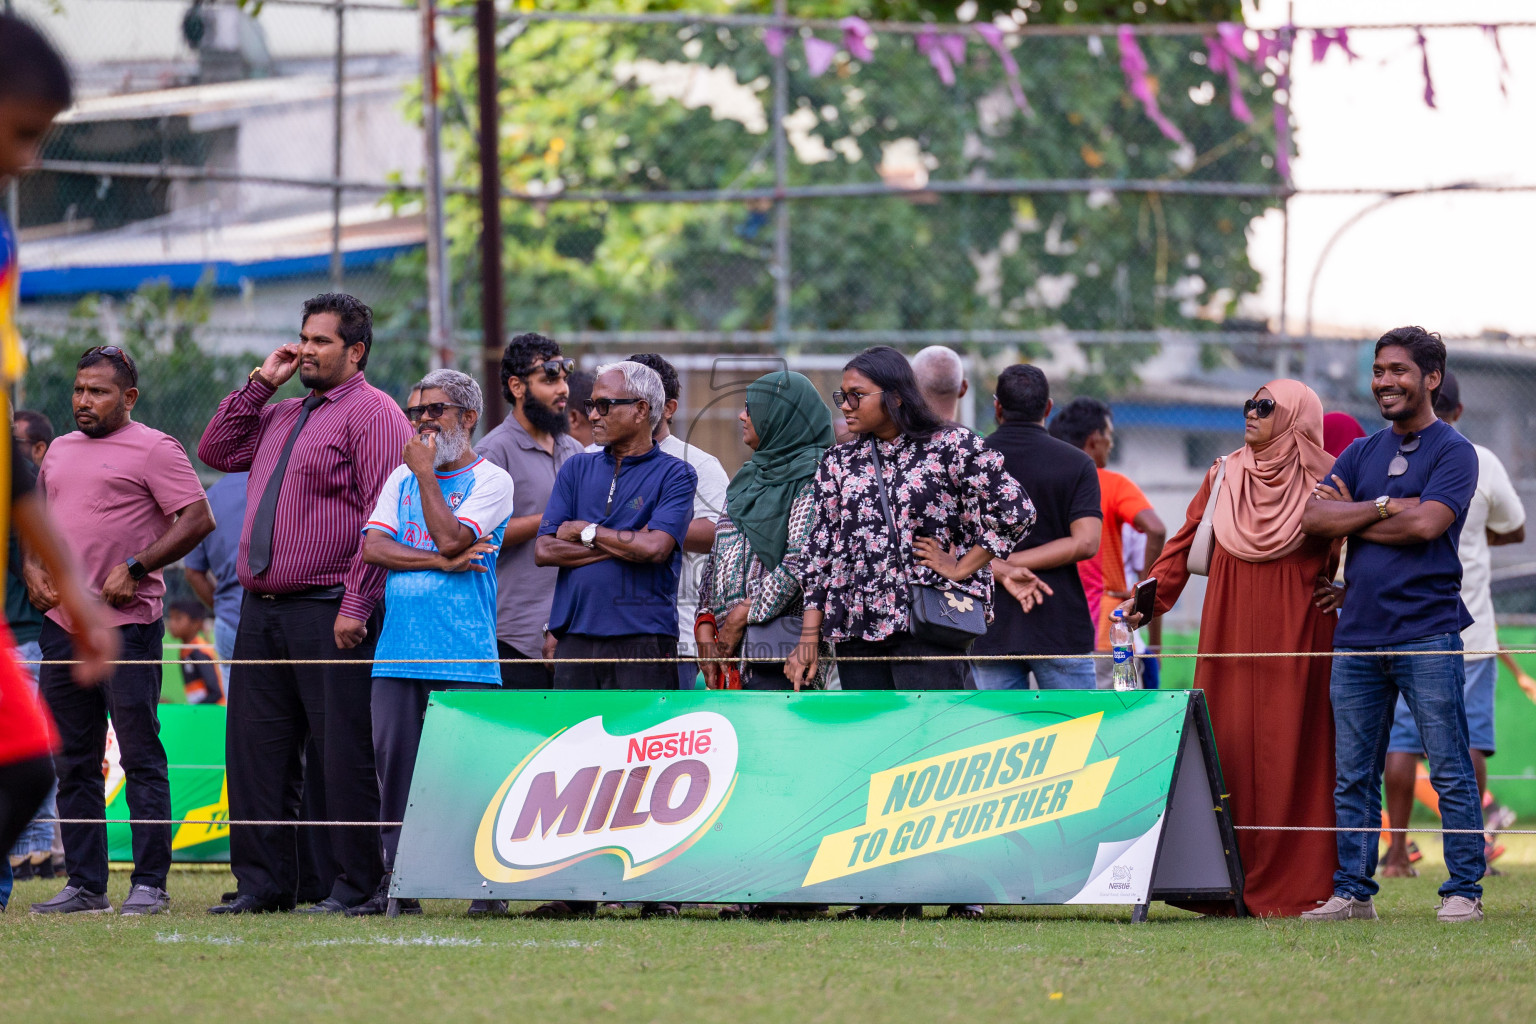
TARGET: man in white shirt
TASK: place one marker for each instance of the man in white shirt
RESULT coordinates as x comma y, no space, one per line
708,501
1495,518
940,376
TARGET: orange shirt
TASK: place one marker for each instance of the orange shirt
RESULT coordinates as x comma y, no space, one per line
1122,501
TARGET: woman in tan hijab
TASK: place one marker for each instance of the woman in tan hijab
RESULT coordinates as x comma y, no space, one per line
1268,590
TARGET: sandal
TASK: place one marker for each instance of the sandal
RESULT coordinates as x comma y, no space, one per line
965,911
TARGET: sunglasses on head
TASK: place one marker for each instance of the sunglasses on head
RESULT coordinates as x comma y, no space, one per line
602,405
1263,406
554,369
1399,464
434,411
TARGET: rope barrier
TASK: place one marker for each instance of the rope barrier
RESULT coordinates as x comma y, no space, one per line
683,659
218,821
400,824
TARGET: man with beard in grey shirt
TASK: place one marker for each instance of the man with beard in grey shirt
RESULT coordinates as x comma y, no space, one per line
531,445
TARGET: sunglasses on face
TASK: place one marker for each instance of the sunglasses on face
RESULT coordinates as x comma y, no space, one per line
417,413
554,369
852,398
602,405
1263,406
1399,464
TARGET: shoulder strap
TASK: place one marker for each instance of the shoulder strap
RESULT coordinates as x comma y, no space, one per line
1210,506
885,502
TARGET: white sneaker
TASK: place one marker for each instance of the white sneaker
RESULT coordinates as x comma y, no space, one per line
1457,909
1342,908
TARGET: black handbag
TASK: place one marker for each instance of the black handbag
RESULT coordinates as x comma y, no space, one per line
946,617
772,641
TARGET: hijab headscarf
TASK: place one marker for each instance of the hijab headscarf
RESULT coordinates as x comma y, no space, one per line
794,427
1258,515
1339,429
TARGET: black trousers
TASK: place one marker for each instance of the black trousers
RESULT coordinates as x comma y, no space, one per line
399,711
274,712
655,675
23,785
524,673
131,696
900,675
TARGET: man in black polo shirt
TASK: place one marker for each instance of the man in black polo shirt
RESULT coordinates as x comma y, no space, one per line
1063,483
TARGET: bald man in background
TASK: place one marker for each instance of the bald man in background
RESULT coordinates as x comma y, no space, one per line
941,378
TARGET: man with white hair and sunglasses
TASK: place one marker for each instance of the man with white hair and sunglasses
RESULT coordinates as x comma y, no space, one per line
439,520
615,525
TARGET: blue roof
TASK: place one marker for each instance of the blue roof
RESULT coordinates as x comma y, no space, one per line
71,282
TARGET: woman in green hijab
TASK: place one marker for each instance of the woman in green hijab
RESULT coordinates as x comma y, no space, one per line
752,576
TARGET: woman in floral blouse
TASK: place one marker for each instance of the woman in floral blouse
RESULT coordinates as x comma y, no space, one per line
752,575
947,493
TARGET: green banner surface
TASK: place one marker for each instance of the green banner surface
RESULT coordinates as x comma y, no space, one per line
193,736
935,797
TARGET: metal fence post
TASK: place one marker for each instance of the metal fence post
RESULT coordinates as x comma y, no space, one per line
781,291
439,330
337,114
492,308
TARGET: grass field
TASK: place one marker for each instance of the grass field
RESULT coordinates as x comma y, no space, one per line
1055,964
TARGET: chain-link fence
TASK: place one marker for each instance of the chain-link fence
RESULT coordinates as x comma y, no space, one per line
1080,196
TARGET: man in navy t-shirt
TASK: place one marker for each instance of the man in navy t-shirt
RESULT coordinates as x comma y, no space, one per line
615,525
1401,496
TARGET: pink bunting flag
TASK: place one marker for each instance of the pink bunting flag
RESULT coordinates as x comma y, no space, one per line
774,39
1134,64
818,55
856,35
1323,39
994,38
1230,35
929,46
1492,31
1223,62
1429,83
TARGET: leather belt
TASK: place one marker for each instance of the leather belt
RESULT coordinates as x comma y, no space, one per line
333,593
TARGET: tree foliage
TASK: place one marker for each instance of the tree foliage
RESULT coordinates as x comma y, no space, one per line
578,117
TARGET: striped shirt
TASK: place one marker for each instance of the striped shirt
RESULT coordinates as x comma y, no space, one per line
339,464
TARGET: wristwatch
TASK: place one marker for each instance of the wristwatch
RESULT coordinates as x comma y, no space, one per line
256,375
1381,507
136,568
588,534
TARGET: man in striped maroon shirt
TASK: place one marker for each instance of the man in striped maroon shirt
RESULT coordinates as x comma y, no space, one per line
316,466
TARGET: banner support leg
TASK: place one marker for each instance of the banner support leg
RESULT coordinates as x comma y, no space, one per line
1139,913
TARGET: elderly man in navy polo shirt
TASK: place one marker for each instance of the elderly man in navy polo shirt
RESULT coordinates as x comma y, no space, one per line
615,525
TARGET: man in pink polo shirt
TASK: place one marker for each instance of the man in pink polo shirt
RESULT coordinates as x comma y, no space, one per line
125,498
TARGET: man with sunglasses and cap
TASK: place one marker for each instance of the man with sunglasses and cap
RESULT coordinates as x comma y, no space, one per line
530,445
1401,497
129,502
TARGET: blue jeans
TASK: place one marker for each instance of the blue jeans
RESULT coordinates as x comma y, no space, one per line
224,643
1050,674
1364,692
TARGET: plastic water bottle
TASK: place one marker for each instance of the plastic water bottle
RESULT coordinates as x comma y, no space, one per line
1120,640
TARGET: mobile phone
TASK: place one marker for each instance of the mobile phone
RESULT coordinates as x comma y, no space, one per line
1146,598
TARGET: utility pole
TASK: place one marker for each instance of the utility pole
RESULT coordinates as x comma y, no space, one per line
439,318
492,306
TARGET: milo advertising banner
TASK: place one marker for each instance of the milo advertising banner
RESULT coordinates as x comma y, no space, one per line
944,797
193,736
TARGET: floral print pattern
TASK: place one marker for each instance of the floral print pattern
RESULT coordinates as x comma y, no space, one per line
950,487
733,574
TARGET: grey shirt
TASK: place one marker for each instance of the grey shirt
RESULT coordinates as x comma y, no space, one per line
524,590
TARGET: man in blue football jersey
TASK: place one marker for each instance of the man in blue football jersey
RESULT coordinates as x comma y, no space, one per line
438,522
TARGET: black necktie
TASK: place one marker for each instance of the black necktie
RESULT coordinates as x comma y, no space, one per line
265,522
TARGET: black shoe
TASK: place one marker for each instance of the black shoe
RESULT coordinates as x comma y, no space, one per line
380,903
485,908
329,905
229,897
249,905
24,871
658,910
